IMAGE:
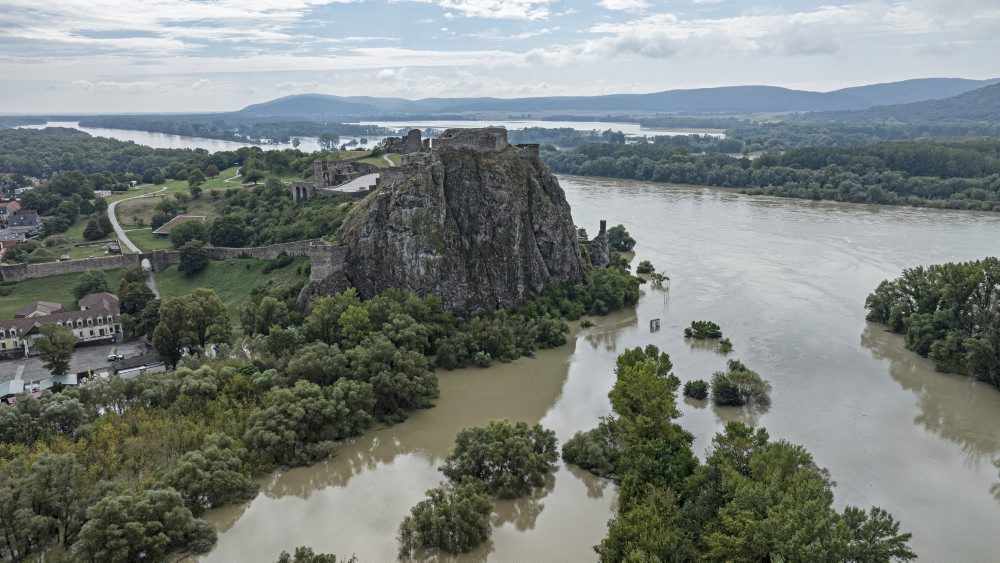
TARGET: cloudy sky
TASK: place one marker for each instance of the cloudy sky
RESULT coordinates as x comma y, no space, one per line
211,55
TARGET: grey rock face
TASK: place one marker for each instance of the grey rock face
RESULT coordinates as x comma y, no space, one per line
479,224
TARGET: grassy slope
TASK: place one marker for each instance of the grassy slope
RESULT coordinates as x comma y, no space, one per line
52,288
232,280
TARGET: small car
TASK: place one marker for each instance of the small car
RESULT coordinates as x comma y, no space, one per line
115,357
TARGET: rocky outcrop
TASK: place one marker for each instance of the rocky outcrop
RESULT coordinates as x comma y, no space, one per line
480,223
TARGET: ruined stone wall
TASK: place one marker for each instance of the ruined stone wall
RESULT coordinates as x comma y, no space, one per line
270,252
487,139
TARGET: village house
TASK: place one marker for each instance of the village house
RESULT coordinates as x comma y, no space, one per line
98,320
7,208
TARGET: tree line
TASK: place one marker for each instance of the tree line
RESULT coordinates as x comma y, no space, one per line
947,312
961,175
119,470
752,499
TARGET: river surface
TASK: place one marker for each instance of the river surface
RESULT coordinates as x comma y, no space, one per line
168,141
630,129
312,144
787,280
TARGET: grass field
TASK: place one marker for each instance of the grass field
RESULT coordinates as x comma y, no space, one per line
232,280
53,288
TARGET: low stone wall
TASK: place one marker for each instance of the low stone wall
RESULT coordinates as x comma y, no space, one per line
21,272
298,248
159,260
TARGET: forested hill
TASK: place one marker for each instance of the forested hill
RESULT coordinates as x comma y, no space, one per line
978,105
727,100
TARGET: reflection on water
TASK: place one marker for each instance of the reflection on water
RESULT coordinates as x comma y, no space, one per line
955,407
786,280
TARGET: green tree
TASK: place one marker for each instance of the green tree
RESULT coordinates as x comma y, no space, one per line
212,476
141,526
134,296
195,178
91,281
619,239
211,171
297,425
187,232
93,230
702,330
454,519
510,459
55,347
645,267
194,258
229,231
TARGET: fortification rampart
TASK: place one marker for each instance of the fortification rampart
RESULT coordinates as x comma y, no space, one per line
159,260
486,139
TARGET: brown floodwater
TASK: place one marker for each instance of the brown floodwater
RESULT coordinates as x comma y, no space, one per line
787,280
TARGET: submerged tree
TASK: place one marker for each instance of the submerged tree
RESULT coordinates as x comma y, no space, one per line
454,519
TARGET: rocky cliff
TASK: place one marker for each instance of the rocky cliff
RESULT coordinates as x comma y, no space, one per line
476,221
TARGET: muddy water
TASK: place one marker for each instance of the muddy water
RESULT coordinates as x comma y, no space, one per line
786,279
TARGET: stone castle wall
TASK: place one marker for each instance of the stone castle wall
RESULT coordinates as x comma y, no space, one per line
487,139
159,260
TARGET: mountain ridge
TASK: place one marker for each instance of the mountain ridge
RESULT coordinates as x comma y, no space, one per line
718,100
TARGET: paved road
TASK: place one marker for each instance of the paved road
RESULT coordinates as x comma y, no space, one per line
84,358
118,228
122,236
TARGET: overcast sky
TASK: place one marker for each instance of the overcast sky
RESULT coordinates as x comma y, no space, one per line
211,55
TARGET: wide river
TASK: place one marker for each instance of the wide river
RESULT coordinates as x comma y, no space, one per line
787,280
311,144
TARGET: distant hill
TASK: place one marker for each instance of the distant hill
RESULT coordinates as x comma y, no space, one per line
981,105
917,90
723,100
308,106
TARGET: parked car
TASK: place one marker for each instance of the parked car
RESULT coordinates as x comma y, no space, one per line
115,357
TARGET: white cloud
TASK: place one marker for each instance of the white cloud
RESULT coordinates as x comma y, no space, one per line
625,5
498,9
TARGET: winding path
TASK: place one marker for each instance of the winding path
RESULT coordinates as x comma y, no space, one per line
123,237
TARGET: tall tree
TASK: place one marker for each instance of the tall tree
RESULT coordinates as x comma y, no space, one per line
55,347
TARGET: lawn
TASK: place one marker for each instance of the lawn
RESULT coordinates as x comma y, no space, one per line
146,240
232,280
381,163
53,288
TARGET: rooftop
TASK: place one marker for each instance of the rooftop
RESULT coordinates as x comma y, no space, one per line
102,300
38,309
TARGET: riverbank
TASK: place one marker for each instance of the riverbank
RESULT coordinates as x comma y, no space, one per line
786,280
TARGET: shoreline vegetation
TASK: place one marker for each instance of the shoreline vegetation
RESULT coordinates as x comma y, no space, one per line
139,460
748,501
948,313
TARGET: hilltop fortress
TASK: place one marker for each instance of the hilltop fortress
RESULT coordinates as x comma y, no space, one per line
468,217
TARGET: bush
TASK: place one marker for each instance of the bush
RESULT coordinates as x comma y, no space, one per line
697,389
724,346
740,386
527,454
645,267
702,330
452,519
596,450
482,359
